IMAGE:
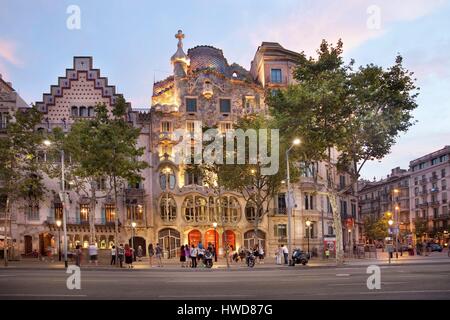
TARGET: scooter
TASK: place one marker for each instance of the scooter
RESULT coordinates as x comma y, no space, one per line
250,259
208,259
299,257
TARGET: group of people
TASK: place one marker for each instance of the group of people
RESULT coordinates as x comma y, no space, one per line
193,256
243,253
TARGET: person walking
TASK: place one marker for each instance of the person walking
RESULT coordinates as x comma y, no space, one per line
285,254
327,253
187,254
93,253
158,254
279,254
193,255
121,254
182,256
261,255
139,253
113,255
151,253
129,256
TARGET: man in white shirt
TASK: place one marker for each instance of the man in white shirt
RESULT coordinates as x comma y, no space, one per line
93,253
286,254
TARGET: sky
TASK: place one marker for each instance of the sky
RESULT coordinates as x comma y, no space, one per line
132,42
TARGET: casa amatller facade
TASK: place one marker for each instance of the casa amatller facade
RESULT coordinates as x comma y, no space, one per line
170,205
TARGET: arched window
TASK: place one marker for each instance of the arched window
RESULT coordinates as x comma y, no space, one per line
74,111
83,112
250,211
228,210
251,239
195,209
167,179
212,211
168,208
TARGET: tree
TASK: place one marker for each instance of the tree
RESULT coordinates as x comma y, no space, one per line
376,229
420,226
20,174
357,112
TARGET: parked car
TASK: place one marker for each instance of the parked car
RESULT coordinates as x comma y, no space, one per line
435,247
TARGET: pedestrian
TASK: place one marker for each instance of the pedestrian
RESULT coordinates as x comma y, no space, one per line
151,253
261,255
121,254
78,255
158,254
50,253
93,253
187,254
200,255
425,248
139,253
182,256
278,254
285,254
129,256
113,255
327,253
193,255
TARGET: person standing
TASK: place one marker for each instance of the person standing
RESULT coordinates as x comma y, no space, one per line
327,253
182,257
78,255
285,254
193,255
158,253
113,255
121,254
278,254
151,253
93,253
187,254
139,253
261,255
129,256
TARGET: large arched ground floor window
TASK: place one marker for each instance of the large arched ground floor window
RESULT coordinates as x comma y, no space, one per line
230,238
212,237
169,240
250,240
194,237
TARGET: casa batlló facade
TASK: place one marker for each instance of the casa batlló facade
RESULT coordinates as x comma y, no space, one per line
172,206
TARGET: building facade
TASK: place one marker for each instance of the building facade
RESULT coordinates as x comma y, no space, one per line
171,205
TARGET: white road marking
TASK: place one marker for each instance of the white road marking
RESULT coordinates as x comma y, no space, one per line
40,295
342,275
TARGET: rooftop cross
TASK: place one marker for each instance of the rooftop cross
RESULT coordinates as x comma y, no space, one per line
180,36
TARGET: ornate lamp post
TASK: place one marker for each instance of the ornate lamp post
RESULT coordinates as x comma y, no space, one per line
58,223
133,225
215,241
288,181
308,225
390,222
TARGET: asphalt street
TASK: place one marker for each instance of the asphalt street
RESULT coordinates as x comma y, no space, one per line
429,281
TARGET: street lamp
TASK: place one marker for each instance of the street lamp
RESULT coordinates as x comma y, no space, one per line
308,224
62,195
390,222
58,223
294,143
133,225
215,241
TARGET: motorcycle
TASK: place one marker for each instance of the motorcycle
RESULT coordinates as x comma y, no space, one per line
208,259
299,257
250,259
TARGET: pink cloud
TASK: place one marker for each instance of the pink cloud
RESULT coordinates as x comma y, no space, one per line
8,52
308,23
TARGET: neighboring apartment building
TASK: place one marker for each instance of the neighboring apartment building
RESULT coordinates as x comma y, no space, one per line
430,175
389,195
172,206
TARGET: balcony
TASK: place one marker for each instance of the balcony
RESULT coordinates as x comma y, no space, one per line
423,181
278,212
166,136
133,192
423,205
434,190
423,192
435,203
434,178
442,217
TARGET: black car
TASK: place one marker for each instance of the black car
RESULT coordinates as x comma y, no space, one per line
435,247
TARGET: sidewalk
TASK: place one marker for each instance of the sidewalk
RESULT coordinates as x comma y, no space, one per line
174,264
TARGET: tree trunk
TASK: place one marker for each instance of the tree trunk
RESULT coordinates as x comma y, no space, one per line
337,229
5,241
116,216
92,214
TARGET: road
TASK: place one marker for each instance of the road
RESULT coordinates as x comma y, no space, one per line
429,281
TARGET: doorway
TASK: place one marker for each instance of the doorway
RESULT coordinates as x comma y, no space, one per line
28,240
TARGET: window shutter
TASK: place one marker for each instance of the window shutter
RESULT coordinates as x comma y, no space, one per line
103,215
77,214
51,213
